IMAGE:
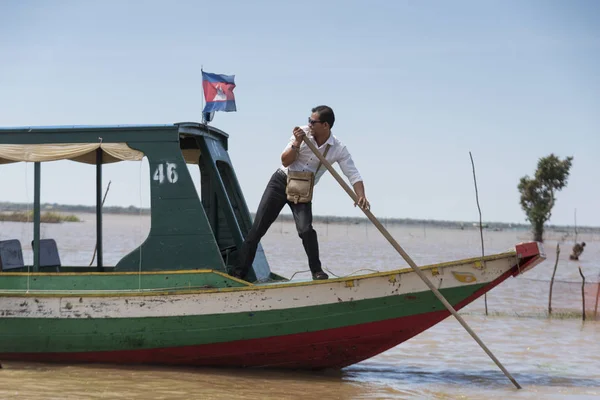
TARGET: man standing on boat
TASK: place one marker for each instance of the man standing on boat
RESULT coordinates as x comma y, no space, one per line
297,156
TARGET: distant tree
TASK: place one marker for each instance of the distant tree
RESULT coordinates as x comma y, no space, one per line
537,194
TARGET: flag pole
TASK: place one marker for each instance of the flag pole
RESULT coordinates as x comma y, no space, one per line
202,97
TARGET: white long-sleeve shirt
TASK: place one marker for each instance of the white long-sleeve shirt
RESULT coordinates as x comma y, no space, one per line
308,161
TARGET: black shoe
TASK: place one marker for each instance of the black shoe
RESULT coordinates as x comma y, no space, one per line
236,273
318,276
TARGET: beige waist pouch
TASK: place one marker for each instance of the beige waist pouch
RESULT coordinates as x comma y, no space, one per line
300,184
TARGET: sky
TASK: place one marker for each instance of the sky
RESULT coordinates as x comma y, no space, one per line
415,86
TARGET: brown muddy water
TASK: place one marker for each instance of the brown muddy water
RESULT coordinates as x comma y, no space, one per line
552,358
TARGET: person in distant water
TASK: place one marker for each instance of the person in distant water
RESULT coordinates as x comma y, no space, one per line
297,156
577,250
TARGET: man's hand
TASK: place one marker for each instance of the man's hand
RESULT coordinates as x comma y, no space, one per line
363,203
298,134
290,154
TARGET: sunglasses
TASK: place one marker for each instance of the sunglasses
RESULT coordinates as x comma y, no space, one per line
312,121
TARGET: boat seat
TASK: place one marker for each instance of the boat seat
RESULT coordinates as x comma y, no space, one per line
11,255
49,258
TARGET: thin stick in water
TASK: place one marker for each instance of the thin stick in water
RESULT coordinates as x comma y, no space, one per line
582,293
552,279
575,218
480,226
597,298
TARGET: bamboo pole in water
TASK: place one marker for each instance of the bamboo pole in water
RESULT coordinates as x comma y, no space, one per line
582,293
407,258
480,227
552,280
597,298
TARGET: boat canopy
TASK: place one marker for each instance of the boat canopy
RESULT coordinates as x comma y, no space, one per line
80,152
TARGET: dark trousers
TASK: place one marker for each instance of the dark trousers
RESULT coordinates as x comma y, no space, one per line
271,204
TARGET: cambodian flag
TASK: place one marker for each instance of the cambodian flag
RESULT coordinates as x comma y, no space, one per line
218,92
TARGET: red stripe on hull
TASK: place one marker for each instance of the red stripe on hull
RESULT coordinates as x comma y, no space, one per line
331,348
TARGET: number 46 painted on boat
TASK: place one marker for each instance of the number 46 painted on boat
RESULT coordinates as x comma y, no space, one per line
171,175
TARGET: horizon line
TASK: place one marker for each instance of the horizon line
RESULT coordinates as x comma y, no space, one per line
287,214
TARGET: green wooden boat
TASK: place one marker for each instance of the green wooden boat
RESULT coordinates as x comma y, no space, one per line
172,301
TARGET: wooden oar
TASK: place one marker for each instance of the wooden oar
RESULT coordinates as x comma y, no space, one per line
406,257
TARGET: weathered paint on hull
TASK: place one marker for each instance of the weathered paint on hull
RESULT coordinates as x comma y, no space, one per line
109,334
328,348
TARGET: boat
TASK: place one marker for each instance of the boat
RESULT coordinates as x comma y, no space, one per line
172,301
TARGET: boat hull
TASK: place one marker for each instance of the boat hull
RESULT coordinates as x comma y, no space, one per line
330,348
324,325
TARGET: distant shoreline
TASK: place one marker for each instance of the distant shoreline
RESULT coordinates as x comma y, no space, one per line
132,210
47,217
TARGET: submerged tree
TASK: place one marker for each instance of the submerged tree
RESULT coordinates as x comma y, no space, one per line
537,194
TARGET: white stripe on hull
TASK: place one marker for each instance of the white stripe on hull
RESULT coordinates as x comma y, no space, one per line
248,299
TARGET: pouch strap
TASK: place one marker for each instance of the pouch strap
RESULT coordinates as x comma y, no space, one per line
324,155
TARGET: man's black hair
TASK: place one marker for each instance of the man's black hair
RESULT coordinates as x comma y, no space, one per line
325,114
